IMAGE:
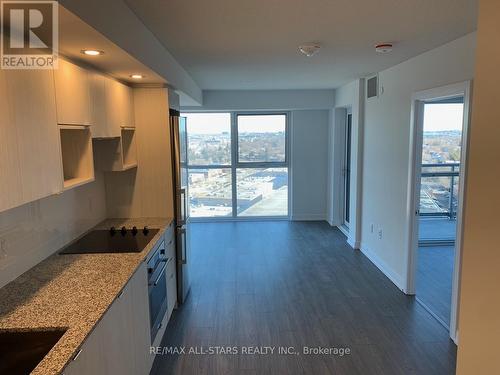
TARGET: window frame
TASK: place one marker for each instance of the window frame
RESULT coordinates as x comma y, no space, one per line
209,166
235,164
264,164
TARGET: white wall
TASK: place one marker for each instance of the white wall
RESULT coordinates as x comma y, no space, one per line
479,318
264,100
347,98
310,118
30,233
174,100
386,147
309,164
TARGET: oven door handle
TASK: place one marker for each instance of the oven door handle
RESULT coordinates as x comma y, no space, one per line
155,283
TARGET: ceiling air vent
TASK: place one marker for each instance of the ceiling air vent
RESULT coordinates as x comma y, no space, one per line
372,87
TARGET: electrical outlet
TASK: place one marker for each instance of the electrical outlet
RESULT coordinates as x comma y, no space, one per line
380,234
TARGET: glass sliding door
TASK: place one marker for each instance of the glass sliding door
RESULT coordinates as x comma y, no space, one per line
238,165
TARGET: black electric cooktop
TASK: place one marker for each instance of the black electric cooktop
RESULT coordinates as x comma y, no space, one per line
112,241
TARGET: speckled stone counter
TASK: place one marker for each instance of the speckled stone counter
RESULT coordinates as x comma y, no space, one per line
71,292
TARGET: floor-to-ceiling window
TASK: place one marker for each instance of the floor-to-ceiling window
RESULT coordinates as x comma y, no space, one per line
209,164
238,164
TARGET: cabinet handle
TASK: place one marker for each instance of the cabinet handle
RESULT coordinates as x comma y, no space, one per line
77,355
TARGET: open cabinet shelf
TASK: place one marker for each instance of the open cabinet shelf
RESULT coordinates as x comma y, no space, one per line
77,156
116,154
129,148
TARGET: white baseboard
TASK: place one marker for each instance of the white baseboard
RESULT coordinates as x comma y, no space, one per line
343,230
382,266
353,243
308,217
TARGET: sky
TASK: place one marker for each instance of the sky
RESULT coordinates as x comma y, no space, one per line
441,117
216,123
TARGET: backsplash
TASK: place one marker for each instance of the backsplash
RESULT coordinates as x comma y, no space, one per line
30,233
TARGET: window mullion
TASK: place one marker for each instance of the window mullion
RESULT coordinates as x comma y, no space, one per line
234,156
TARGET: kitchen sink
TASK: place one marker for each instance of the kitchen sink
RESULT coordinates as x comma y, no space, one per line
21,352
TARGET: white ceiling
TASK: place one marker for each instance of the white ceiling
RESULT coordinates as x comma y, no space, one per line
252,44
75,35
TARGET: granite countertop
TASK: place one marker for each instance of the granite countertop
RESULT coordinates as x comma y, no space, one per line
71,292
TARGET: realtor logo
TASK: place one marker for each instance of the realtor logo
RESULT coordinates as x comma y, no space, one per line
29,37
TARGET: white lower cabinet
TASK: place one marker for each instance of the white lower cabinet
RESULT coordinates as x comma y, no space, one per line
171,287
116,325
141,327
90,358
120,342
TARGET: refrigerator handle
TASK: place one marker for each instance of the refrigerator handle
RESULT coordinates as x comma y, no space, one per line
182,235
182,207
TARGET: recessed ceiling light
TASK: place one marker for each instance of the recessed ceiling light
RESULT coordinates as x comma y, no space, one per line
92,52
383,47
136,76
309,49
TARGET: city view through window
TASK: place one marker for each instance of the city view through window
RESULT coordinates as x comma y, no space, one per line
258,175
441,148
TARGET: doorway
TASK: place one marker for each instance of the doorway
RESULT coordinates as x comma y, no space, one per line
436,190
346,172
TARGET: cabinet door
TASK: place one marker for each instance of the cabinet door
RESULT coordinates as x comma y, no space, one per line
72,94
171,287
129,107
10,187
140,325
33,109
98,99
116,325
90,359
124,105
113,107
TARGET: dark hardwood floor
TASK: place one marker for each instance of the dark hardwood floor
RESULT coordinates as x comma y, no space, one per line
297,284
435,279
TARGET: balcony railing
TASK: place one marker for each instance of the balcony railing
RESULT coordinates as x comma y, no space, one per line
439,190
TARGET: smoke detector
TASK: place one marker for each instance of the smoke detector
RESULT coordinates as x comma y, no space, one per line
383,47
309,49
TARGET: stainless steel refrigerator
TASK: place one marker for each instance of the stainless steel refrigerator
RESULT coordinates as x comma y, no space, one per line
178,130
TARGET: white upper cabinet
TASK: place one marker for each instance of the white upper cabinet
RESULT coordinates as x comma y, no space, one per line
129,120
72,94
98,105
111,106
29,141
123,104
10,187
